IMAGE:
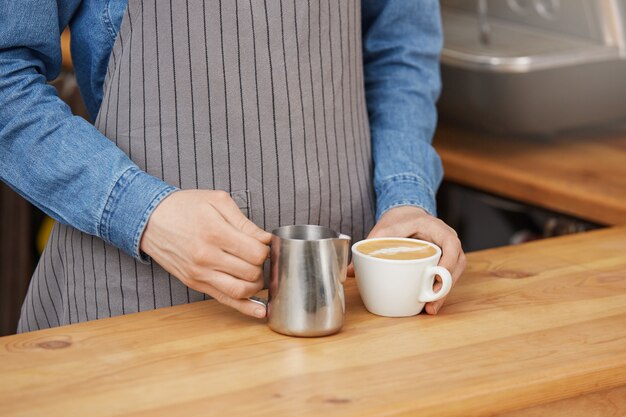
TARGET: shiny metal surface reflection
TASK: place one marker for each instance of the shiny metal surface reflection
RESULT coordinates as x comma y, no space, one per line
308,269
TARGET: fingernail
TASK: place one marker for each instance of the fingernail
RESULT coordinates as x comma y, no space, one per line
436,309
259,312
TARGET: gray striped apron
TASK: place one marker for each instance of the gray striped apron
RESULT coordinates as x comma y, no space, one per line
263,99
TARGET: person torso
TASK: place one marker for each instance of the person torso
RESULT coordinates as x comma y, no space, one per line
263,99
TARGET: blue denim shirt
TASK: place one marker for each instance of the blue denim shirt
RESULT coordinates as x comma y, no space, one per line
65,166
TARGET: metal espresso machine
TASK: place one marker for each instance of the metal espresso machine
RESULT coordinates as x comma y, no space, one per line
534,67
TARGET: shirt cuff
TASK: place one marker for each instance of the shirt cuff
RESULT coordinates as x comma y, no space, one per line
132,200
404,190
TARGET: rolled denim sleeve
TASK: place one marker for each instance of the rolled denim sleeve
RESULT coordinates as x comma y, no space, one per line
402,41
57,161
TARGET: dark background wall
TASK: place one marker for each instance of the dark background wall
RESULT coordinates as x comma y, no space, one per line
17,255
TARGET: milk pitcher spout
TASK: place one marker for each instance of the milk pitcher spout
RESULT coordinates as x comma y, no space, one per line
342,251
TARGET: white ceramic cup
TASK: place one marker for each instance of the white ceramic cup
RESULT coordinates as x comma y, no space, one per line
398,288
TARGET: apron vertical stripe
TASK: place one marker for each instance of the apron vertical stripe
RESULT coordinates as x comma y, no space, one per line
74,275
158,74
137,287
34,313
82,262
258,114
228,154
45,258
324,109
208,84
56,311
45,255
121,277
60,285
290,143
243,114
271,72
333,114
30,315
42,309
191,93
143,88
25,314
173,48
130,86
304,132
153,289
66,268
95,281
313,105
106,278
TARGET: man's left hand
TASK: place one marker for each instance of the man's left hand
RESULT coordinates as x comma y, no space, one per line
414,222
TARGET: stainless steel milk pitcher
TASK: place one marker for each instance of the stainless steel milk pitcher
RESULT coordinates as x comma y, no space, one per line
307,272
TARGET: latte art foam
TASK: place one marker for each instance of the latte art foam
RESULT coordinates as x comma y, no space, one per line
396,249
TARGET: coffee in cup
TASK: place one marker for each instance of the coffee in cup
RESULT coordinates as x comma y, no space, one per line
398,249
395,276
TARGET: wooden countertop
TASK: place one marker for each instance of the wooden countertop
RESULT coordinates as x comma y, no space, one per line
583,176
528,325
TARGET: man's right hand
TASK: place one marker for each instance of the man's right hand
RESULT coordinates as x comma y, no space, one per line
202,238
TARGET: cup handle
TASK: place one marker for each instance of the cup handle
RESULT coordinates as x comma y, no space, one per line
446,279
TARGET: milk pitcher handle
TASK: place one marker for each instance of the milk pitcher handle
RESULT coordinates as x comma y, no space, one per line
258,300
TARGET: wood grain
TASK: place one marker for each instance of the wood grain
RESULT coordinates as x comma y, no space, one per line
610,403
583,176
527,325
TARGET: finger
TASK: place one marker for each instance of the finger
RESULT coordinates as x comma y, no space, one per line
231,213
456,272
437,284
436,231
381,230
243,246
351,270
375,232
439,233
450,253
403,228
231,286
245,306
238,268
